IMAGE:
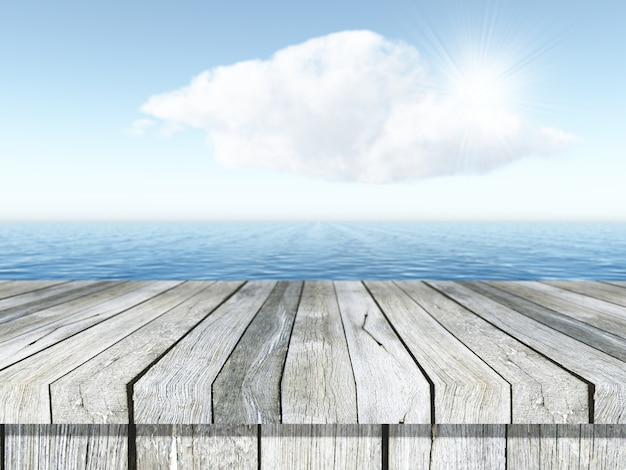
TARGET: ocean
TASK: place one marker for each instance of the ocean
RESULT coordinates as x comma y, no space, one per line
314,250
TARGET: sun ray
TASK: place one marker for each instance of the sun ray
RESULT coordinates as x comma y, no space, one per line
488,72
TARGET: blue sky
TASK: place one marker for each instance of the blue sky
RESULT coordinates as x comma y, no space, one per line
449,110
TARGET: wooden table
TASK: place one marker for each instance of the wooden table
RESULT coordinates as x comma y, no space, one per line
315,374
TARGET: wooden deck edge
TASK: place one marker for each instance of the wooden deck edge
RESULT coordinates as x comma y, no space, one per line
494,446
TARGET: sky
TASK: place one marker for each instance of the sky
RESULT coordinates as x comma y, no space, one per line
326,110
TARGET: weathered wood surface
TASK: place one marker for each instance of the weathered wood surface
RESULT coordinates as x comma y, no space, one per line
12,288
219,447
321,447
345,352
549,446
22,306
455,444
247,390
177,389
597,338
318,383
97,391
447,446
24,386
466,390
28,335
541,391
606,373
22,292
409,446
598,313
390,386
66,447
357,446
596,290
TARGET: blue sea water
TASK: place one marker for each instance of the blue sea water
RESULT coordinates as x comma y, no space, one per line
313,250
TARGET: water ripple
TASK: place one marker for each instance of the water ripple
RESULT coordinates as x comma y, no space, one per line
438,251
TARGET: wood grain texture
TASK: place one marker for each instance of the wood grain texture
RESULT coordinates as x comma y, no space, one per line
24,396
38,294
409,446
594,337
37,331
475,446
13,288
348,352
598,313
247,390
177,389
466,389
588,446
22,306
607,373
609,446
96,392
542,392
598,290
321,447
196,447
318,383
390,386
66,447
448,446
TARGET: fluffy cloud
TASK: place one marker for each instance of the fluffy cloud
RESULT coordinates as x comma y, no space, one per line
349,106
139,127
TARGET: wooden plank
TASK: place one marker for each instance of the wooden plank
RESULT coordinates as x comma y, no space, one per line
177,389
541,391
29,335
25,318
66,446
607,373
598,290
220,447
26,304
12,288
615,283
24,396
318,383
523,446
96,392
604,315
595,446
594,337
609,447
568,447
466,389
587,445
448,446
390,386
472,446
321,446
409,446
247,390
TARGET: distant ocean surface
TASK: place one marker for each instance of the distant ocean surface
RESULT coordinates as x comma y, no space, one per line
313,250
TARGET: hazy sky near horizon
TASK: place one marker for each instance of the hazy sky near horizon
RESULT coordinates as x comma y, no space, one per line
403,110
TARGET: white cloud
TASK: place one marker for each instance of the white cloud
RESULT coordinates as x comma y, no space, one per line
348,106
139,127
169,129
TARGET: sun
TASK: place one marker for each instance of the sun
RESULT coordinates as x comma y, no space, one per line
489,76
482,89
484,93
